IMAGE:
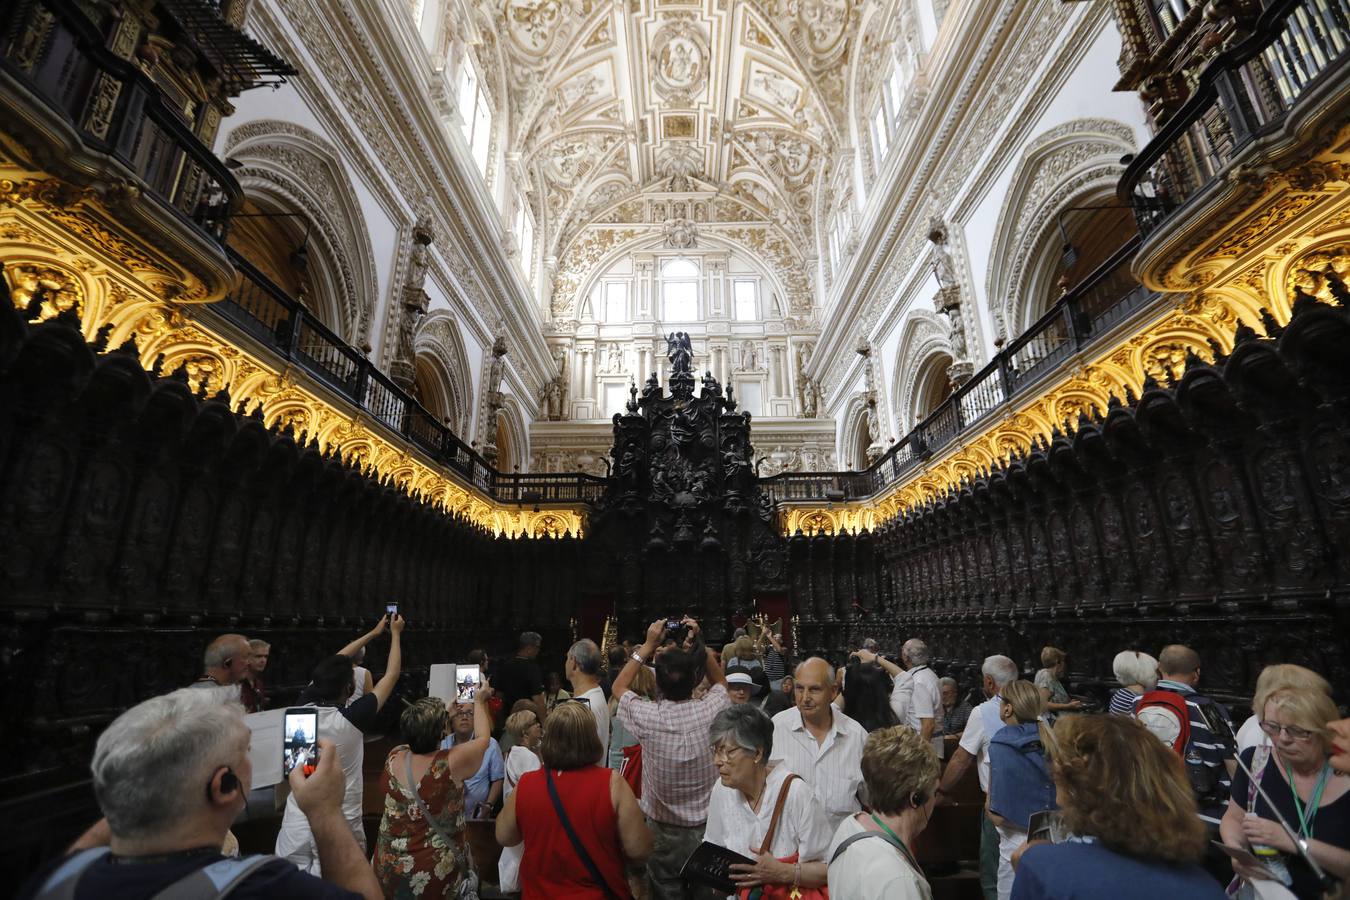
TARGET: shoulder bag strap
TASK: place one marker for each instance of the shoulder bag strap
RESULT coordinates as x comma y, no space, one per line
854,838
61,884
777,812
426,814
217,880
576,841
1259,759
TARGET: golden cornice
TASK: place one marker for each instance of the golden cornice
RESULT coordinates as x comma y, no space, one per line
39,252
1156,350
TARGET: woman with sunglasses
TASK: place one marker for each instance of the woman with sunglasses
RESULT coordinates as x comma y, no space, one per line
1297,775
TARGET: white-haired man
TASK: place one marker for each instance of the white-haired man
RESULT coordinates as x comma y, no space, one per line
584,667
998,671
227,660
916,697
170,775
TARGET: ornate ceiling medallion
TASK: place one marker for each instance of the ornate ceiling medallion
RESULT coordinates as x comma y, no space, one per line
534,24
679,60
824,25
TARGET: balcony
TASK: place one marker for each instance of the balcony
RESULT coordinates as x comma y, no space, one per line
1262,115
282,324
116,145
1103,300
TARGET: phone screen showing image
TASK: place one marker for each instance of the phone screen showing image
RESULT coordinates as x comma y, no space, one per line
391,609
466,683
300,740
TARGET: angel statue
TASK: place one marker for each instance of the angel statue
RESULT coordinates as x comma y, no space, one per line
679,352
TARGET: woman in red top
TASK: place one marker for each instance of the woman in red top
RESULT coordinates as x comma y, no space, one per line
598,803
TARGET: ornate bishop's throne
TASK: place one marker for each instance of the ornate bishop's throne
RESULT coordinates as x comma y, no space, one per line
683,526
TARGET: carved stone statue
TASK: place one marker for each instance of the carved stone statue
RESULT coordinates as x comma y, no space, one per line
680,352
749,358
613,359
944,268
413,305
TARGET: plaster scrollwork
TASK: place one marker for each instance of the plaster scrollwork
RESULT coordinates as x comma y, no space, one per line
287,163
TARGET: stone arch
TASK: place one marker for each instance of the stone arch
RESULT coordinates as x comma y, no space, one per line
1076,161
513,449
290,167
442,370
854,438
924,344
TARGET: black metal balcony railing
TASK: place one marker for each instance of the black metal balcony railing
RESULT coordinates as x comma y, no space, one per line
1244,94
51,47
1094,306
263,310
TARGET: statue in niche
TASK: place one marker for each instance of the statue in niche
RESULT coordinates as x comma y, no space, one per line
497,371
749,357
808,391
613,359
414,302
550,399
680,352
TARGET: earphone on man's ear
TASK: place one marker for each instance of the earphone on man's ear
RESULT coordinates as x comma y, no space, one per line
229,782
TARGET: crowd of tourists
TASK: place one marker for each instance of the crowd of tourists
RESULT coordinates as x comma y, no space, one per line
666,768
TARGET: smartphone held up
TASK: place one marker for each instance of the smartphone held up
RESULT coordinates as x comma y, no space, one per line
467,680
300,740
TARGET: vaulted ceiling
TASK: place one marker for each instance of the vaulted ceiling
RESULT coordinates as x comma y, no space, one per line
636,112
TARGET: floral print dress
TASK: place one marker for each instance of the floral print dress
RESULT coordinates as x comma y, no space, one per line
411,859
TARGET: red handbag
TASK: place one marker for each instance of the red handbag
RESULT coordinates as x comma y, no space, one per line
631,768
781,891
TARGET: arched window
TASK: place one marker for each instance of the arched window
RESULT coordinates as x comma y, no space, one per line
862,439
679,290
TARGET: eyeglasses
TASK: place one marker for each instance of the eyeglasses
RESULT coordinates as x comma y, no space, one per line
1295,733
724,753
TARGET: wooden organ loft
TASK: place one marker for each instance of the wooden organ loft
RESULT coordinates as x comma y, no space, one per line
151,498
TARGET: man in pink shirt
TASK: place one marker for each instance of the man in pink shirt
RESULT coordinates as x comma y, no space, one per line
677,766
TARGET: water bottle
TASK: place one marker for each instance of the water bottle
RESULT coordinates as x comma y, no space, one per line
1273,860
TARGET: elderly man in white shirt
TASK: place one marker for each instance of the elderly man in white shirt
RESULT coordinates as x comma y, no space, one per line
984,721
817,741
917,695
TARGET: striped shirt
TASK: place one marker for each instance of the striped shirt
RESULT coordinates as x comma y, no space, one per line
1204,747
832,767
677,765
1122,702
775,666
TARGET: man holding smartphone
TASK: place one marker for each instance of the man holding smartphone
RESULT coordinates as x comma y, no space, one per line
346,726
170,775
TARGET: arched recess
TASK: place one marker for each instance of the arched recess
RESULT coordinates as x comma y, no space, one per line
854,436
1076,163
286,168
441,376
512,447
921,368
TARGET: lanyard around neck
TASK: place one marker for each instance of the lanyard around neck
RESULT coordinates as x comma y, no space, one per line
899,844
1306,818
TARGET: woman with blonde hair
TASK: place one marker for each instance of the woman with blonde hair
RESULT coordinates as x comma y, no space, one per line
1296,774
1054,663
1137,673
744,653
422,849
1127,798
526,733
1019,778
1275,678
900,770
579,822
